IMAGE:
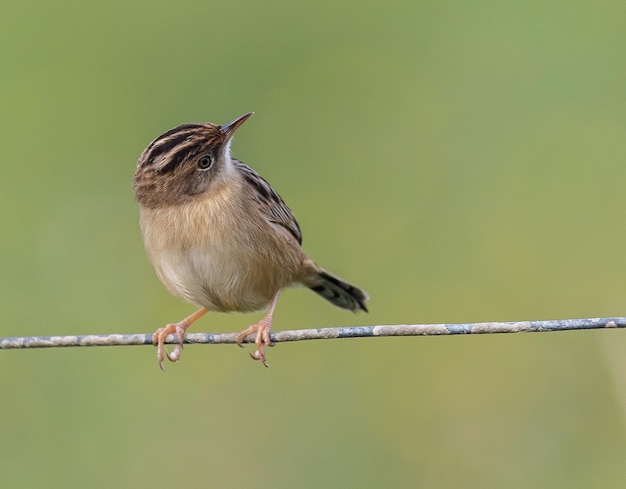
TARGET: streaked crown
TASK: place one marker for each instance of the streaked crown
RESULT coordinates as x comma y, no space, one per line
184,162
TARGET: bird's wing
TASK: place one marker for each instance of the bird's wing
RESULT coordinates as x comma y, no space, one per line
270,203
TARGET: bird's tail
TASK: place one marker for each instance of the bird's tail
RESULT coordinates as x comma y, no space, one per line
338,292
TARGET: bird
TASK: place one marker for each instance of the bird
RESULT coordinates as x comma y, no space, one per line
220,237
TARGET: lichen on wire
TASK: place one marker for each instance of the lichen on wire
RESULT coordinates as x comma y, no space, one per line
322,333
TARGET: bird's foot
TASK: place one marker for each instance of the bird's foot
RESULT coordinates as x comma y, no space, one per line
158,339
262,330
179,329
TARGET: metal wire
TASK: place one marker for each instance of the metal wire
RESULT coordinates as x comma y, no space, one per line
322,333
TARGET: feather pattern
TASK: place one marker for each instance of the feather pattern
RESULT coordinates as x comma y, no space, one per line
270,203
219,236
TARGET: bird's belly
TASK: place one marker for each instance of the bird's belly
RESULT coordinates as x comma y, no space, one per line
221,281
213,257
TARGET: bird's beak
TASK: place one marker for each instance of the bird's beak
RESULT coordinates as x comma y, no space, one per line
229,129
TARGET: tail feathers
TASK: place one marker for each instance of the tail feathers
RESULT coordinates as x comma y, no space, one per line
339,293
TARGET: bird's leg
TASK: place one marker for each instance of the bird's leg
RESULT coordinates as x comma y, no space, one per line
262,330
179,328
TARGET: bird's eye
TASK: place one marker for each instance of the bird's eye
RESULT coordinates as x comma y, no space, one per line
205,162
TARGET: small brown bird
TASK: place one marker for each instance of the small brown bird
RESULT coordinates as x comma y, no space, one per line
219,236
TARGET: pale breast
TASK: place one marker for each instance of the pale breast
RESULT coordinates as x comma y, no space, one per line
220,256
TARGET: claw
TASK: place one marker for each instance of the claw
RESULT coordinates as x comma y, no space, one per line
259,357
262,339
262,330
179,328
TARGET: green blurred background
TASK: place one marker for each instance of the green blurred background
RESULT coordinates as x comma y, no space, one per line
461,161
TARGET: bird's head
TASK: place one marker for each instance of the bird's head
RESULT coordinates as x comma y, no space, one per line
185,162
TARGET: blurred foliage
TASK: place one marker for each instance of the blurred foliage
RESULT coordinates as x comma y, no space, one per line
461,161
